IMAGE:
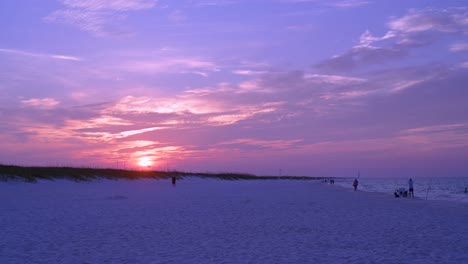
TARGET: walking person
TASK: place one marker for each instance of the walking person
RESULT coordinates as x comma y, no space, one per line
355,184
411,189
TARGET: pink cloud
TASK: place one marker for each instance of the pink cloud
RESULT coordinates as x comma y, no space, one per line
169,65
120,5
145,104
44,103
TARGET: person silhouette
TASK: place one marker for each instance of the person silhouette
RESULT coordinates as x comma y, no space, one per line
411,188
355,184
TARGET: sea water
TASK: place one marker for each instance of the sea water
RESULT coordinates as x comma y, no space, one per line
442,188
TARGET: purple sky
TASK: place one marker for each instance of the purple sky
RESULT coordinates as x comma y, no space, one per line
311,87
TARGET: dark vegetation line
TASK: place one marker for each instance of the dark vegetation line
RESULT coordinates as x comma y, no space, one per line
33,174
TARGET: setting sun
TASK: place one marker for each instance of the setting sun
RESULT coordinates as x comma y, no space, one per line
145,162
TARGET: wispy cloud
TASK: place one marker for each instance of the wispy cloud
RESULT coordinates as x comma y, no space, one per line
169,65
253,86
118,5
301,28
99,17
398,145
129,133
430,19
367,38
437,129
335,79
437,136
201,110
216,2
44,103
146,105
459,47
419,26
333,3
360,56
40,55
345,95
248,72
350,3
273,144
415,29
177,16
240,114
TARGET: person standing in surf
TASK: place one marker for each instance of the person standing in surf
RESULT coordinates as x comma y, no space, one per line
411,189
355,184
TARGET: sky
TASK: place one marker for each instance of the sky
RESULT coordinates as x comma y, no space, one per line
269,87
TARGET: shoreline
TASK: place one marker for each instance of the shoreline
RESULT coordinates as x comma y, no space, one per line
430,188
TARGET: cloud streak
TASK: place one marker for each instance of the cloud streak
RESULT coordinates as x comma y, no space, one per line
44,103
350,3
99,17
116,5
459,47
40,55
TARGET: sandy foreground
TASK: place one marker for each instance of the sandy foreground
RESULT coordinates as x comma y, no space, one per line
215,221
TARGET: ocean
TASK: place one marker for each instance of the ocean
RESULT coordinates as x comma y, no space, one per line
442,188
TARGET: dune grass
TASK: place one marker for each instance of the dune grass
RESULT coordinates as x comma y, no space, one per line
35,173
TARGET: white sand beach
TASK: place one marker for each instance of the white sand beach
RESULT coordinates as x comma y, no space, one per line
215,221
